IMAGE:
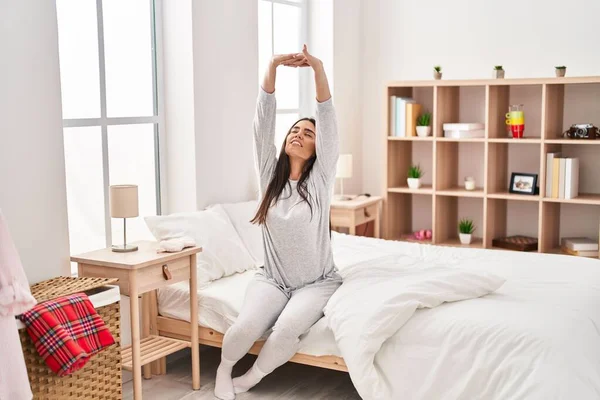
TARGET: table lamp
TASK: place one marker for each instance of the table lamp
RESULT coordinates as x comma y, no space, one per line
344,170
124,204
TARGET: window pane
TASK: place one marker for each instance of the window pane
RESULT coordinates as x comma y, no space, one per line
283,123
286,29
78,48
85,192
131,161
128,55
265,43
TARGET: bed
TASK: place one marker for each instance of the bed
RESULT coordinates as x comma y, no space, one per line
537,336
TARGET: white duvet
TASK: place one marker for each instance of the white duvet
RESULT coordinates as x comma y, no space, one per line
536,337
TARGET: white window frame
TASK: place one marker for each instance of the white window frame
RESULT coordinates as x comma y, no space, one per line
104,121
302,109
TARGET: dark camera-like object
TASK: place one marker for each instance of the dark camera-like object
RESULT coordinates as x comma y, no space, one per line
582,131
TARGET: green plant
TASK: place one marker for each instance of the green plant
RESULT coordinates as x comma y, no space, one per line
561,67
424,119
437,68
415,172
498,67
466,226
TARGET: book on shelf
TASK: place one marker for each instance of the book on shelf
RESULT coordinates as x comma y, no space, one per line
568,251
580,244
401,102
555,177
412,113
572,178
562,177
393,100
549,169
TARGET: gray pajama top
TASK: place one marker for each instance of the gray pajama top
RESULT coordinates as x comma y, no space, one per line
297,244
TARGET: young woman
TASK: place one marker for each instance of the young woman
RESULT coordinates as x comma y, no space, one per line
299,275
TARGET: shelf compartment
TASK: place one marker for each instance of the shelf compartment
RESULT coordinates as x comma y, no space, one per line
507,158
509,217
455,161
407,213
152,348
568,104
499,99
560,220
403,154
449,210
453,104
421,95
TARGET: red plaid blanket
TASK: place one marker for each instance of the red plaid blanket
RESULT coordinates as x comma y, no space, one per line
66,332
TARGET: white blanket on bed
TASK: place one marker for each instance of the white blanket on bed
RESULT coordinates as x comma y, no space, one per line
536,337
379,296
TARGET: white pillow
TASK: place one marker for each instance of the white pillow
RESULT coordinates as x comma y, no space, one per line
240,215
223,252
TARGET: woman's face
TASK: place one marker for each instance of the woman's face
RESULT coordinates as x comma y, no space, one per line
300,142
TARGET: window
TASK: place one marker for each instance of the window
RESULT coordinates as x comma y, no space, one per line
111,119
282,28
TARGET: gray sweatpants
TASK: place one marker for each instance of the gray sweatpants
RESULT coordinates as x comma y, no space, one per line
289,314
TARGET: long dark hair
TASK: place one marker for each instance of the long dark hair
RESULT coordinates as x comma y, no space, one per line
280,180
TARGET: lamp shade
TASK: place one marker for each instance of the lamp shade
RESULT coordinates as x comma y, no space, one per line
344,166
124,201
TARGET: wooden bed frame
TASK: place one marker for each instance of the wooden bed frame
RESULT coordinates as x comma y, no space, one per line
156,324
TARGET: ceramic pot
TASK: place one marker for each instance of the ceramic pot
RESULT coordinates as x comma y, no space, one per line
560,72
499,73
423,131
414,183
465,238
437,75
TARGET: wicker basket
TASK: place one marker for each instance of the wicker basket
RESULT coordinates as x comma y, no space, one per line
101,376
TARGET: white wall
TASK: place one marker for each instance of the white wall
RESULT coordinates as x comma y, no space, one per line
178,77
32,165
225,51
404,39
347,72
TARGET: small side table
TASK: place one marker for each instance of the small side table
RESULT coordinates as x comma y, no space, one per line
140,272
360,210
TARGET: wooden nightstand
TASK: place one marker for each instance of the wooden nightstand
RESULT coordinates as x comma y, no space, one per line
360,210
141,272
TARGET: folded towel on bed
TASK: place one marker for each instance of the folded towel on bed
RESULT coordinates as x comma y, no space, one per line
66,332
174,245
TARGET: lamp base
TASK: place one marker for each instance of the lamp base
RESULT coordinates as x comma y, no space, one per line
120,248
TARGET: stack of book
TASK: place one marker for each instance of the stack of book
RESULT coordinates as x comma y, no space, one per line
403,116
562,176
582,247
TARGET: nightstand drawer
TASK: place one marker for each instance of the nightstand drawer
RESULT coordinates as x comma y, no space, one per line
164,274
365,214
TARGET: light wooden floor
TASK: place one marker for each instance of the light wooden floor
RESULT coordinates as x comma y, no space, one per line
291,381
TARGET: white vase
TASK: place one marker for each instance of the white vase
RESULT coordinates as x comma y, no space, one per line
423,131
414,183
465,238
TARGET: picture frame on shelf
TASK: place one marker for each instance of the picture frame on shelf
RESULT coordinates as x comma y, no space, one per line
523,183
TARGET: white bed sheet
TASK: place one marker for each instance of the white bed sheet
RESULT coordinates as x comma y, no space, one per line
492,345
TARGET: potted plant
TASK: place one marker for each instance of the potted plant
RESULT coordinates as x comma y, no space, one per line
560,71
423,125
465,230
437,72
499,72
414,177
